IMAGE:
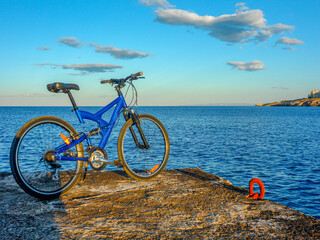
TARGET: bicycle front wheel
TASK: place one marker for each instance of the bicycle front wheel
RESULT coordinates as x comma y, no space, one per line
32,165
139,162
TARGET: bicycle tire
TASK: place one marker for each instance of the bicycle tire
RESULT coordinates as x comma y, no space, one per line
151,165
23,155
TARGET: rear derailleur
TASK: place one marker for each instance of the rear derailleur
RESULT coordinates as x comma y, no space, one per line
51,162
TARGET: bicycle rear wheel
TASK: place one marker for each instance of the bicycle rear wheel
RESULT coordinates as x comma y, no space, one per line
139,163
30,158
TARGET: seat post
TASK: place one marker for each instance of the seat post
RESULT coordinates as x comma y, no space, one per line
75,107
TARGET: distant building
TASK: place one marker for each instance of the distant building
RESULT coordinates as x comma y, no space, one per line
314,94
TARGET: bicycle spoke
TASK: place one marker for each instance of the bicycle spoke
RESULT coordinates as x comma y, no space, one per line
148,162
38,172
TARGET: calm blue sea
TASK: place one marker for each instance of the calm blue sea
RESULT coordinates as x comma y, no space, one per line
281,146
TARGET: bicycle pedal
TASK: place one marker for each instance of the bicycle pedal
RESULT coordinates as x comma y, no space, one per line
117,163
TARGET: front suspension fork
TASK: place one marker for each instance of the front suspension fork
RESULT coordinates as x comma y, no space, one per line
136,121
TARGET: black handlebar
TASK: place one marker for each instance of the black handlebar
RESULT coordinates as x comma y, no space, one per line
108,81
134,76
123,80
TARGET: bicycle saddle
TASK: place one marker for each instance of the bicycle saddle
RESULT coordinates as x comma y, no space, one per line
64,87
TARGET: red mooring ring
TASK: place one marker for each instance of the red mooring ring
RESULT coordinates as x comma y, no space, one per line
253,195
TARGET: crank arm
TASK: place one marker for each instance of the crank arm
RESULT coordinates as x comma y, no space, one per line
104,160
115,163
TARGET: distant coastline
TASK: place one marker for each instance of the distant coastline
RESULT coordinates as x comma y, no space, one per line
303,102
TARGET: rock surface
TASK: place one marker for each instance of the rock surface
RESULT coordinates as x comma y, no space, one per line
178,204
303,102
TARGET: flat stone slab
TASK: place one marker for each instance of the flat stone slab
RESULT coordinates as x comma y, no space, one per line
178,204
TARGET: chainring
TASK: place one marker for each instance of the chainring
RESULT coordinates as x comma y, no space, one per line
95,154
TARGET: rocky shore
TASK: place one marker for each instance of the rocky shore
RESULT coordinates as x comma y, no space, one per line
178,204
303,102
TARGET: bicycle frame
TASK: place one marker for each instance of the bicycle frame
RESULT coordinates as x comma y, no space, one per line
105,127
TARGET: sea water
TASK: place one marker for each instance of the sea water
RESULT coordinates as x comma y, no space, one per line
279,145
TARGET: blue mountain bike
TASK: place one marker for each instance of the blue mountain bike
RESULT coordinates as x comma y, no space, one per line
47,155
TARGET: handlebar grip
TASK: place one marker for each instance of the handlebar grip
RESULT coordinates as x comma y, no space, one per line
105,81
137,74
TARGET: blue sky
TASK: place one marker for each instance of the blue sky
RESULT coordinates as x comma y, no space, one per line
205,52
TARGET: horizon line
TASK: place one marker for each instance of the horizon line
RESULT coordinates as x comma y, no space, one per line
199,105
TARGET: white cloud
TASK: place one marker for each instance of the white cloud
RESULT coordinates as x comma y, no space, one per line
156,3
70,41
243,26
119,53
43,48
248,66
79,74
182,17
113,51
252,18
281,88
269,31
92,67
85,68
241,7
289,48
289,41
